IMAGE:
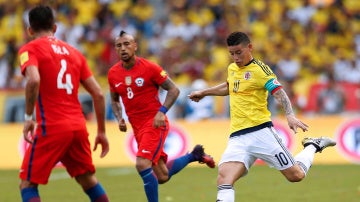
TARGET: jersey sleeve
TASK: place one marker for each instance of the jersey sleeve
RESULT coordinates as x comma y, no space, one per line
159,74
27,58
267,78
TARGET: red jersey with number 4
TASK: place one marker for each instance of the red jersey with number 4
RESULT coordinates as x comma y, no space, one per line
61,69
138,88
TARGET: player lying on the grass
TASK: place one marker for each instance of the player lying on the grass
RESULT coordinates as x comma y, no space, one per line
137,81
252,135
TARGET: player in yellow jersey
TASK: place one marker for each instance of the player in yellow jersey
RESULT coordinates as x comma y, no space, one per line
252,135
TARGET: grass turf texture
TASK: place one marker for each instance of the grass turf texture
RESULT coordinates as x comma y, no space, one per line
330,183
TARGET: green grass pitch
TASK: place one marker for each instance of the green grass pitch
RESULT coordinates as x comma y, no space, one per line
324,183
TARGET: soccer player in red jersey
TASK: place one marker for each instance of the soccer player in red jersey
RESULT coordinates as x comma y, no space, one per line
54,71
137,81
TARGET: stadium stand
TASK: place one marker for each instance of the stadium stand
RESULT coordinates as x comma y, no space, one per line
187,37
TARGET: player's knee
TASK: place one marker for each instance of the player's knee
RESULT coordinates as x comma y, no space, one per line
226,177
86,180
222,179
162,179
26,184
142,164
295,177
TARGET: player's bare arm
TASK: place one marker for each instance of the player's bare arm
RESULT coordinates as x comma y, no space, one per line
31,94
97,95
172,93
95,91
171,96
218,90
293,122
117,110
284,100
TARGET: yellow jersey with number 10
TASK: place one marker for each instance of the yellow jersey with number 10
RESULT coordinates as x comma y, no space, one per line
248,91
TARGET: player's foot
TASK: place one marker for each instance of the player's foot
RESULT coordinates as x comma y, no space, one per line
201,157
319,143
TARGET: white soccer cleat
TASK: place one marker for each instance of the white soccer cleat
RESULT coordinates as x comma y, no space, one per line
319,143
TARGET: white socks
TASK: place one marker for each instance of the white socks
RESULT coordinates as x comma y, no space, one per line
306,157
226,193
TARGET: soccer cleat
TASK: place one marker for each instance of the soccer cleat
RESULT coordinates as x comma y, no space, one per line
319,143
201,157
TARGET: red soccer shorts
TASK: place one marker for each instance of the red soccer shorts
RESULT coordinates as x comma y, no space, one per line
151,142
71,148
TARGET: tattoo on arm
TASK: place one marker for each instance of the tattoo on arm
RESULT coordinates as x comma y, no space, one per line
167,84
172,93
284,100
116,106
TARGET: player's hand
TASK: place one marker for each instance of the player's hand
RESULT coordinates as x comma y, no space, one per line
102,139
195,96
295,123
122,125
159,120
28,131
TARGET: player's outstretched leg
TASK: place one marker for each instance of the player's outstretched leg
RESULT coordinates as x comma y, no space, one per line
311,145
198,154
202,157
319,143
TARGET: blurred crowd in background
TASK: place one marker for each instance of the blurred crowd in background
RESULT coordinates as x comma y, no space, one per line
312,45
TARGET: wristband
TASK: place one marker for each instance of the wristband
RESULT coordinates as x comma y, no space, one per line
28,117
163,109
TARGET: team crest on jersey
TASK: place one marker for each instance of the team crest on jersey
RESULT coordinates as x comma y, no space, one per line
247,76
128,80
139,82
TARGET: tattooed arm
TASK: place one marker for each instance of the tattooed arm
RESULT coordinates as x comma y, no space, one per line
117,110
171,96
293,122
172,93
